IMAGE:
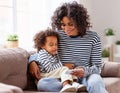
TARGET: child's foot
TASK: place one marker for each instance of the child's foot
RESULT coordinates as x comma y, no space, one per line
68,88
79,87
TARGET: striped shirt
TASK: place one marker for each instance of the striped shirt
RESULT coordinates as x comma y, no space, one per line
82,51
47,62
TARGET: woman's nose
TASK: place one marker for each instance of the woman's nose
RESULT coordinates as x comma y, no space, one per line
66,28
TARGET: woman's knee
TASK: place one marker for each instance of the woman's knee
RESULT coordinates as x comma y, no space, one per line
49,85
95,84
94,80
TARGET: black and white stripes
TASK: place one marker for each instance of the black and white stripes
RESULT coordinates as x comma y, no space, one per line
47,62
82,51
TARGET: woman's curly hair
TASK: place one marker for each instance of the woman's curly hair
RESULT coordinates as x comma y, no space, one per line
74,11
40,38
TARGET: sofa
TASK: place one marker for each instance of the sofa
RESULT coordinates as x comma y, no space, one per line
14,72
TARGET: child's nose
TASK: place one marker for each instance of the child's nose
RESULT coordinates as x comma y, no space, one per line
55,47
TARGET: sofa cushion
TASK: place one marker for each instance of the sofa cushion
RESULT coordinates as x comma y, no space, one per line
112,84
4,88
13,67
111,69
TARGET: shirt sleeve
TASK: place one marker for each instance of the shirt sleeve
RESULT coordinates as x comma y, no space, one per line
48,63
95,58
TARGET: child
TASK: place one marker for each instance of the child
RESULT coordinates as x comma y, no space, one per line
46,43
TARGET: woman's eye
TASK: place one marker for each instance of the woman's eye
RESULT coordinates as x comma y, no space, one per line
62,24
71,24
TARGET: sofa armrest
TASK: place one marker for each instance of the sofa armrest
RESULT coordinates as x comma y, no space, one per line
111,69
13,67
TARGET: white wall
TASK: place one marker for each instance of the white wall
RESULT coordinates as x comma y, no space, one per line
33,16
104,14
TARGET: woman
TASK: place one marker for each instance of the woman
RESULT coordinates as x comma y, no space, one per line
78,46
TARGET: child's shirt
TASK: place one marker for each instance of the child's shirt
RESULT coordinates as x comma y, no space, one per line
47,62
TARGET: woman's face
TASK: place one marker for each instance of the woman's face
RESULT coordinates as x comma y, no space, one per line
68,26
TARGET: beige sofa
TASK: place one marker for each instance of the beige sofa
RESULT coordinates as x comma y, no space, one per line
13,71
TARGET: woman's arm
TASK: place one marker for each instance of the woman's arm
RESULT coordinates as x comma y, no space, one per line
34,70
95,64
95,57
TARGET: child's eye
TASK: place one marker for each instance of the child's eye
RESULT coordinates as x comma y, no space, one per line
56,44
51,44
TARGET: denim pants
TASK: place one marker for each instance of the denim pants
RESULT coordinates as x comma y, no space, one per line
49,85
93,83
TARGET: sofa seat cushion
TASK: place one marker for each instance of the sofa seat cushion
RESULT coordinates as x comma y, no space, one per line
13,67
4,88
112,84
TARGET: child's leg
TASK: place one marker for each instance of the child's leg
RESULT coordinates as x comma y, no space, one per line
64,76
79,87
49,85
52,74
67,80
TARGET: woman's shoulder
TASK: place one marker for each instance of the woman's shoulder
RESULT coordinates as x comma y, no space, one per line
92,34
61,32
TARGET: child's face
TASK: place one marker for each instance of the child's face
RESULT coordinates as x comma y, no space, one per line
69,27
51,45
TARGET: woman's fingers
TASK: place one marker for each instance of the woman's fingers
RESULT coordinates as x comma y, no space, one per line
78,72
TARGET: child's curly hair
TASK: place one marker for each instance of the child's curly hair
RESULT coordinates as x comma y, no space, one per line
74,11
40,37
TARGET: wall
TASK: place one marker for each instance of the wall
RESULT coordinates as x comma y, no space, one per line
104,14
33,16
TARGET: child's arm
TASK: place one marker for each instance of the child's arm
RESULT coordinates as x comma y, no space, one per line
50,66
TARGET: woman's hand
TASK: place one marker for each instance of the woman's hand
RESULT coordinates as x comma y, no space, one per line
79,72
34,70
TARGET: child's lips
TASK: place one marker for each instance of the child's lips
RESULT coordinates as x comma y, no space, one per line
55,52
